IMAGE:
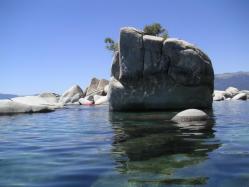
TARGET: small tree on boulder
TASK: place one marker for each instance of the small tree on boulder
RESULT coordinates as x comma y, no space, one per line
111,45
156,29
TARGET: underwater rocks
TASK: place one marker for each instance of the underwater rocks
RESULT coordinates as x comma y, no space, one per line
190,115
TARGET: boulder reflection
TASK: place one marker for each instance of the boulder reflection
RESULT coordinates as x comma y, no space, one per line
148,145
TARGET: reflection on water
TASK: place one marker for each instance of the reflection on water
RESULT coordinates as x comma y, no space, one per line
88,146
148,148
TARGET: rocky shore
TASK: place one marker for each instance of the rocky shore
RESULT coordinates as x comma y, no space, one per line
231,93
148,73
95,93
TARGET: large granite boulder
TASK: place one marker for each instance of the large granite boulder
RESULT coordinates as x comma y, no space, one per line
14,107
39,100
93,86
150,73
72,95
102,84
97,87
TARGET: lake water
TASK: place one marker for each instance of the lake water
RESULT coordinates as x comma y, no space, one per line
88,146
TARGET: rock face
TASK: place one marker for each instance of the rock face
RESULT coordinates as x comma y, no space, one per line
190,115
149,73
93,86
72,95
97,87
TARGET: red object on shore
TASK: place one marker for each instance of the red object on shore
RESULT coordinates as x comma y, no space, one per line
86,102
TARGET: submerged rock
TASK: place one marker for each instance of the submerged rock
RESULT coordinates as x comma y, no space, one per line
190,115
152,74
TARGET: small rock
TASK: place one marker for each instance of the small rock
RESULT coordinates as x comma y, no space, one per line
245,91
218,95
190,115
240,96
232,91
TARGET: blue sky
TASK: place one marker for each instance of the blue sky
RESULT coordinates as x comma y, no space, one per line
49,45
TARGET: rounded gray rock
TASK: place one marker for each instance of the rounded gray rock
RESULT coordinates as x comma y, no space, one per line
232,91
190,115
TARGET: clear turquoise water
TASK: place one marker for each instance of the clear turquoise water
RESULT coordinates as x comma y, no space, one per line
88,146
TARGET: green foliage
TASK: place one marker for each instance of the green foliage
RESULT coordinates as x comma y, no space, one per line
165,35
111,45
156,29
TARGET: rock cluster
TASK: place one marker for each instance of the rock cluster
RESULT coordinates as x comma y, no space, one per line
45,102
96,93
231,93
150,73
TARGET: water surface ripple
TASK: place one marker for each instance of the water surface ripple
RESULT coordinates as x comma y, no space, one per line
88,146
